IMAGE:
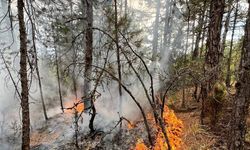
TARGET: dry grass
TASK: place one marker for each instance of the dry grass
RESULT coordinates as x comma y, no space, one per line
195,136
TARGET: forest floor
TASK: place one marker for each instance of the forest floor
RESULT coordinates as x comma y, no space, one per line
195,136
54,134
204,137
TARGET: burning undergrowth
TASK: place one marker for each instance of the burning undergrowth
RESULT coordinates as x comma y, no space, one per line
173,127
120,134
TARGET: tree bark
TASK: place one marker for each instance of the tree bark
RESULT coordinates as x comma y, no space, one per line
213,42
88,5
242,97
212,58
24,78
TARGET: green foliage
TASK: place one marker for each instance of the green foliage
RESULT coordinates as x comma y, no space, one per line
235,59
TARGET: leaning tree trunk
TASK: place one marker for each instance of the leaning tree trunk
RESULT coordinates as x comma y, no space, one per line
37,66
212,58
24,78
242,97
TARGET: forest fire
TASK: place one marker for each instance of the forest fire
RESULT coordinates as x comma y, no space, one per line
72,105
173,126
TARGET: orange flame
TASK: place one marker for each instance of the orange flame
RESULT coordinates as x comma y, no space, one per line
140,145
130,126
173,128
72,105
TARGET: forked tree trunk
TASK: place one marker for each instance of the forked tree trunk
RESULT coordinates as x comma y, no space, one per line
24,78
242,97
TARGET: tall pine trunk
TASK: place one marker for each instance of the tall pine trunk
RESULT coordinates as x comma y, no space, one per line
213,55
212,59
242,97
88,9
118,57
24,78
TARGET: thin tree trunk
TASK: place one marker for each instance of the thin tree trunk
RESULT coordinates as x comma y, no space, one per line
183,103
74,78
193,34
226,27
24,78
242,97
197,42
166,25
204,32
228,77
188,28
58,81
185,54
41,90
118,57
36,62
170,22
126,8
198,36
156,30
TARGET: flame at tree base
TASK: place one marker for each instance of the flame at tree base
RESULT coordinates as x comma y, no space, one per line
173,128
